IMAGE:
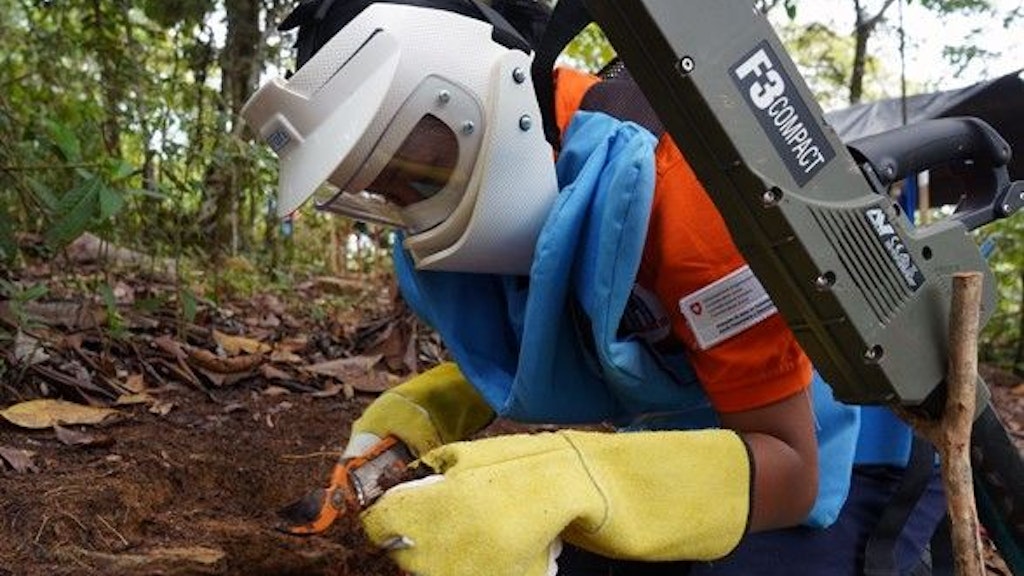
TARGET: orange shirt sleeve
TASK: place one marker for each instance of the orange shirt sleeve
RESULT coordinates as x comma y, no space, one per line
689,247
571,87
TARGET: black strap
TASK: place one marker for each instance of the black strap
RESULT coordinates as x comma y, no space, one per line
942,554
504,33
618,95
880,552
568,19
319,20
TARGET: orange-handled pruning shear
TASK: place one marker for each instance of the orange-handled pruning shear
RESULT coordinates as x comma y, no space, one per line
355,484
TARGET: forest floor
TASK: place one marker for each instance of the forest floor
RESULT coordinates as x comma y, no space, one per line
192,432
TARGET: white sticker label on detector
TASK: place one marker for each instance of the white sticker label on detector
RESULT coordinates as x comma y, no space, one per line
727,307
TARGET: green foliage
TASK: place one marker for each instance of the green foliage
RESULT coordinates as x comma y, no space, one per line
825,59
958,6
115,322
17,297
1002,335
962,56
8,244
95,195
189,305
170,13
590,50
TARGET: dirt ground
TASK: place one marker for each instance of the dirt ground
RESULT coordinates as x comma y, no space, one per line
191,492
190,483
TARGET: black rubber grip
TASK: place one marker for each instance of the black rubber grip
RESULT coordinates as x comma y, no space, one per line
898,153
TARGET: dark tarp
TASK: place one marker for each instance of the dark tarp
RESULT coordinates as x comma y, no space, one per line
1000,102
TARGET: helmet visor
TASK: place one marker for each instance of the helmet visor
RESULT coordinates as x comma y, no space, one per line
418,171
421,167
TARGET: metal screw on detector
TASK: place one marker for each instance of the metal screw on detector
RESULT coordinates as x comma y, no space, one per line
873,354
771,197
825,281
525,122
444,97
685,65
468,127
519,75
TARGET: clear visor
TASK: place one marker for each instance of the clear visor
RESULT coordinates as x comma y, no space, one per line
415,177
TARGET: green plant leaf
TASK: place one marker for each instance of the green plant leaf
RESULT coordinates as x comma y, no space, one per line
149,305
121,168
8,244
43,194
66,141
107,293
111,201
74,213
188,304
34,292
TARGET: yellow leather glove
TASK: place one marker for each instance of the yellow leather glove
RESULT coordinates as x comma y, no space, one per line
434,408
501,502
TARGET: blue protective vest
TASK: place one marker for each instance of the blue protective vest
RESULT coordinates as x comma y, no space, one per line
549,350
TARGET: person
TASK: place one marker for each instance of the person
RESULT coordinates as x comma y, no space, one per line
601,287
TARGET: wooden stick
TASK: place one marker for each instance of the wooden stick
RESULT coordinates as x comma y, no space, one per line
951,434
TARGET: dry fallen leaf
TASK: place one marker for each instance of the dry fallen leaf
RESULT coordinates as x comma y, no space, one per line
372,382
209,361
234,345
357,371
127,399
74,438
134,383
20,460
161,407
286,357
45,413
329,391
28,350
271,373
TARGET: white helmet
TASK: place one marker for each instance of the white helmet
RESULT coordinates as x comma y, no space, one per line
420,118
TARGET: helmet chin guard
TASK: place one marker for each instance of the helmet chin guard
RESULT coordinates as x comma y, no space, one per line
340,119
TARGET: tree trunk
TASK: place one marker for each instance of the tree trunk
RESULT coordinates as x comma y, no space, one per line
107,50
864,26
241,48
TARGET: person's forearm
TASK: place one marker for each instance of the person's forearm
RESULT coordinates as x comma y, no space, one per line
785,484
785,462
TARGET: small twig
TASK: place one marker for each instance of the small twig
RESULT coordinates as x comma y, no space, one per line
75,520
311,455
112,529
39,533
951,434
